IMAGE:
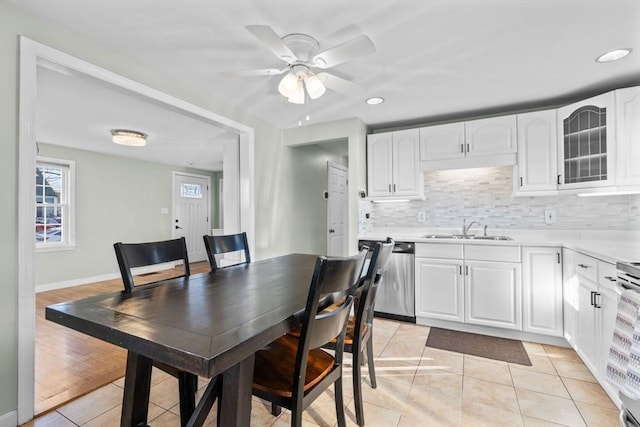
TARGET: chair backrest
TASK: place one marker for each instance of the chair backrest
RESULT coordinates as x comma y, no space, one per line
331,277
224,244
369,288
132,255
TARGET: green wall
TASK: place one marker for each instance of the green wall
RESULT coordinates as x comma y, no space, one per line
117,199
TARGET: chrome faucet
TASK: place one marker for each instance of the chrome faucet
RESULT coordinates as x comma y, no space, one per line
465,227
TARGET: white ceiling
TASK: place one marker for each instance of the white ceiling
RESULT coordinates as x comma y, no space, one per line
435,60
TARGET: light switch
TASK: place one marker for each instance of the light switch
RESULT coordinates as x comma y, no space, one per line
422,217
549,216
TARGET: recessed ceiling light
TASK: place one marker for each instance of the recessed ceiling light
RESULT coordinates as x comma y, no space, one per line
374,100
613,55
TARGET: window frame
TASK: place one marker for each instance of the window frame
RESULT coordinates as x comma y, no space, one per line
68,240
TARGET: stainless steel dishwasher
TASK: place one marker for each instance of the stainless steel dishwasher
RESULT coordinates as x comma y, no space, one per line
396,296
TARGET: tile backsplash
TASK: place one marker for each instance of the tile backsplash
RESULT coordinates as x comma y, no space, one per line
486,195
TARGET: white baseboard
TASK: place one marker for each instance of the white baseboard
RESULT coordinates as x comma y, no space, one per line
10,419
111,276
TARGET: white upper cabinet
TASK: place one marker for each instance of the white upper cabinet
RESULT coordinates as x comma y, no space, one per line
537,153
475,143
586,143
442,142
392,164
628,136
488,137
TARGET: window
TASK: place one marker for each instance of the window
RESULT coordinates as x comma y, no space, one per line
54,223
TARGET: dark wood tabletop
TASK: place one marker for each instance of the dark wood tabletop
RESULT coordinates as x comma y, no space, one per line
205,324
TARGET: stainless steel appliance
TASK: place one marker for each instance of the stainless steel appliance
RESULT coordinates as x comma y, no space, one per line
396,294
629,278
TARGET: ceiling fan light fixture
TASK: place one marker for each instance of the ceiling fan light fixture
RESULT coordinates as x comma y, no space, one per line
130,138
314,86
288,85
298,96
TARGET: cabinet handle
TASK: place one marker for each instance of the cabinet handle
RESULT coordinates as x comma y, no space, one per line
468,148
389,188
394,188
611,279
596,299
466,270
462,148
558,179
583,266
520,181
593,294
460,269
558,253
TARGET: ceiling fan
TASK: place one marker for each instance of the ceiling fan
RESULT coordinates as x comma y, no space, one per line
302,55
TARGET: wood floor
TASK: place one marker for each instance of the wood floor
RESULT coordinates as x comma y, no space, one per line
69,364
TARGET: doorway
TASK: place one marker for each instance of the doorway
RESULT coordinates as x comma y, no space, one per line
32,55
191,196
337,209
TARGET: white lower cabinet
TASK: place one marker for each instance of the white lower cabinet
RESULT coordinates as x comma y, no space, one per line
493,294
542,291
439,291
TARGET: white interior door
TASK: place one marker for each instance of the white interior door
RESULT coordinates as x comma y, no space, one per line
191,211
337,211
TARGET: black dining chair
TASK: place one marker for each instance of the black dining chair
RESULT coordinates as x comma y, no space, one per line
292,372
217,245
359,334
133,255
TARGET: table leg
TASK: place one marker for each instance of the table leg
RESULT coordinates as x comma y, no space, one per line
137,384
234,404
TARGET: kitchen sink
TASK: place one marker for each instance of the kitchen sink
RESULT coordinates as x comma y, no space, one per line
465,236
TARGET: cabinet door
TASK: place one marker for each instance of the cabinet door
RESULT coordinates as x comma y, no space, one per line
537,151
442,142
587,332
496,135
586,143
493,294
607,310
439,289
628,136
379,164
570,296
406,173
542,291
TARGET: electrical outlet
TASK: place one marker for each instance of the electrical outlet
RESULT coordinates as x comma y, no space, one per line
422,217
550,216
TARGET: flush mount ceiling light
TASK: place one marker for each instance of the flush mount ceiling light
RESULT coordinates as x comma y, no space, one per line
613,55
130,138
375,100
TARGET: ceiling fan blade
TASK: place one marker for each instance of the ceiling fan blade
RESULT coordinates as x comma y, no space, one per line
339,84
253,73
269,38
355,48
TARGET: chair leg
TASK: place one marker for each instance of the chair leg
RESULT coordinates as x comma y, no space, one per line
357,387
296,418
370,361
275,409
340,403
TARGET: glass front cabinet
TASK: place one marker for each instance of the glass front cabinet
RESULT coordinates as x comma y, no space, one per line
586,143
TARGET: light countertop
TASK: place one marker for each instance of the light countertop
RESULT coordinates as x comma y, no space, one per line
609,246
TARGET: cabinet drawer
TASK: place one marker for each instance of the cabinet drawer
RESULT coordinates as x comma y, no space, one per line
587,267
492,253
607,275
438,250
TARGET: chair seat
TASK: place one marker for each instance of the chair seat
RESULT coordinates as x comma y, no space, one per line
275,365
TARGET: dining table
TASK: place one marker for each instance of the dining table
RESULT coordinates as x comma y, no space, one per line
207,324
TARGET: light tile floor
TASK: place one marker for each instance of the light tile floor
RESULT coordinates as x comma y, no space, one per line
417,386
